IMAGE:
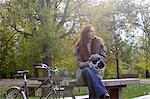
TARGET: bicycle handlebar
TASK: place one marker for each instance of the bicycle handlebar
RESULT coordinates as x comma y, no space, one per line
44,66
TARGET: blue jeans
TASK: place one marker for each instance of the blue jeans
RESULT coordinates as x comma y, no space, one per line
95,85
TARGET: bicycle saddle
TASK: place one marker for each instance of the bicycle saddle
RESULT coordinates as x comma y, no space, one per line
23,72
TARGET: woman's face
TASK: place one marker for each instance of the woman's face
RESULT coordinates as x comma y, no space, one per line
91,33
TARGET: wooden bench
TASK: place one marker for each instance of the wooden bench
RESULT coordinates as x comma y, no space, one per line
114,86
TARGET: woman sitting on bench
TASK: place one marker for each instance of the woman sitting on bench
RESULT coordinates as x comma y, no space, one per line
90,55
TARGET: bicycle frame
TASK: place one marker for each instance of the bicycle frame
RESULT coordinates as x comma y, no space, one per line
47,92
53,84
24,89
52,88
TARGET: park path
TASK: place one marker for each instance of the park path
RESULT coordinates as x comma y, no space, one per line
142,97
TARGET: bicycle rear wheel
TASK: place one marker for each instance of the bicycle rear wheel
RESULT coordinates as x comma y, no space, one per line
14,93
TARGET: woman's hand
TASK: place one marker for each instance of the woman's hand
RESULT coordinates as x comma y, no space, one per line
94,56
90,63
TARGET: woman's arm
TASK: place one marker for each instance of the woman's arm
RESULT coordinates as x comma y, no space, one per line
102,50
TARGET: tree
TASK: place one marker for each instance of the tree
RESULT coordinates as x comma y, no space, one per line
29,34
16,23
145,27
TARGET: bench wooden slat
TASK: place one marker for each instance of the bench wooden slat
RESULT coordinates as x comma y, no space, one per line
106,82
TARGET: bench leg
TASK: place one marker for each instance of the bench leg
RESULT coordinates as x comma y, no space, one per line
116,93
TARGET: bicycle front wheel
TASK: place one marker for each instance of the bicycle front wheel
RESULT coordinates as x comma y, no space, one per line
14,93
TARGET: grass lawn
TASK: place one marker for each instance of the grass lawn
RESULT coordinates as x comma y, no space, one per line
128,92
135,90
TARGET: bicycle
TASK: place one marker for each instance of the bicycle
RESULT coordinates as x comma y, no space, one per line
54,90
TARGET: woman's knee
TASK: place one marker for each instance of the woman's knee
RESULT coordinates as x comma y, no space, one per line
87,71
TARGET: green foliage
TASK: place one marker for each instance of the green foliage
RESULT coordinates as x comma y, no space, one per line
29,36
66,60
131,91
17,23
